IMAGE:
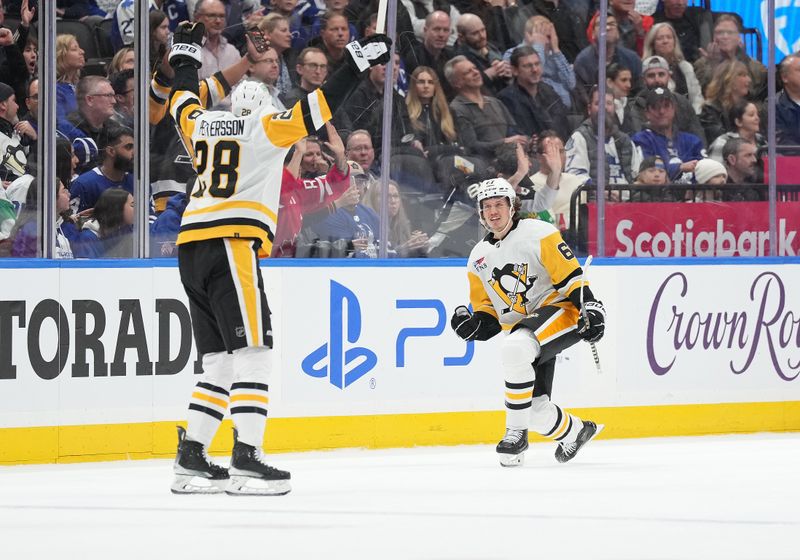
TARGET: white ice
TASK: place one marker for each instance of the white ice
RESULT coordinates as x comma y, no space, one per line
726,497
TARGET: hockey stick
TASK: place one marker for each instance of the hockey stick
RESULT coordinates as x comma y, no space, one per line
380,26
595,355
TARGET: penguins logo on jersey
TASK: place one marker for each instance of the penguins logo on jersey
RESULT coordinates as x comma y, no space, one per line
512,283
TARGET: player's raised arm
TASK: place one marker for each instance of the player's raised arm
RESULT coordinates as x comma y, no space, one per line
186,57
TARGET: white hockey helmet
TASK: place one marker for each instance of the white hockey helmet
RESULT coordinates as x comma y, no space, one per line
249,97
492,188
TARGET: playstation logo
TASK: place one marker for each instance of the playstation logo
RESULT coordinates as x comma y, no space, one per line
358,360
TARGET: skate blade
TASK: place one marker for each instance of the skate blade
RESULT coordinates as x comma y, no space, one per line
192,484
509,460
253,486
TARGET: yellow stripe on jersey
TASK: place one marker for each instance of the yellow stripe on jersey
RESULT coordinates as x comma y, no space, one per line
243,263
159,94
478,297
233,231
559,261
236,204
286,128
249,397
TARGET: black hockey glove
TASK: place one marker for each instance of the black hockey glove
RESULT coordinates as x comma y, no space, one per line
187,43
593,329
368,52
474,326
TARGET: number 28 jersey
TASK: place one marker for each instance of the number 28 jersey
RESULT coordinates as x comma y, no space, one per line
532,266
239,164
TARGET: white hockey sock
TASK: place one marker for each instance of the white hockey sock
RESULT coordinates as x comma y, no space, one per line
553,422
209,399
250,393
519,350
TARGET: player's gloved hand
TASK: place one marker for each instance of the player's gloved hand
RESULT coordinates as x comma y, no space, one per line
367,52
593,329
187,42
465,323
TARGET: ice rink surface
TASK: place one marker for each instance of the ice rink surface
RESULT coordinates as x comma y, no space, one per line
726,497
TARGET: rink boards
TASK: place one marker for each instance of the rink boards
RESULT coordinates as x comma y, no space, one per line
97,360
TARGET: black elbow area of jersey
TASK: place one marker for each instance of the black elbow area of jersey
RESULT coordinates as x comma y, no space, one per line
489,326
575,296
339,86
185,79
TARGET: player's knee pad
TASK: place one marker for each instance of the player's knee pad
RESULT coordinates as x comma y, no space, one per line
253,363
218,369
520,349
543,414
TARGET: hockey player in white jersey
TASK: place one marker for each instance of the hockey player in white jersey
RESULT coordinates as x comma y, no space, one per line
525,282
229,222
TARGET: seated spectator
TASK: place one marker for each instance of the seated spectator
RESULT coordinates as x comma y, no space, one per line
109,234
726,46
304,190
361,150
568,24
419,11
354,223
534,104
312,70
123,59
729,85
217,53
691,24
165,226
275,28
115,170
159,36
623,158
710,172
633,26
787,107
265,69
552,158
618,83
122,27
483,123
124,88
334,34
365,108
69,63
25,236
96,101
19,52
740,162
680,150
402,239
662,40
13,145
586,63
657,75
652,171
746,124
488,60
312,23
432,50
540,33
429,113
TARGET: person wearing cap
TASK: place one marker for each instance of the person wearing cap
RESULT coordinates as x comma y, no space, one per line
680,150
652,172
656,74
303,196
13,150
710,172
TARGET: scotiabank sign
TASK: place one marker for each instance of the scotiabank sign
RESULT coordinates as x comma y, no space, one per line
705,229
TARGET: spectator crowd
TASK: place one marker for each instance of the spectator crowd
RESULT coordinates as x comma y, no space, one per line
480,88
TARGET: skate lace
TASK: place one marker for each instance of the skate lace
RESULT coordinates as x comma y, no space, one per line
210,461
569,448
513,436
262,458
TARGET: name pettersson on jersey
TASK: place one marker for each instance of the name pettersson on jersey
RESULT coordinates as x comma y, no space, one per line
234,127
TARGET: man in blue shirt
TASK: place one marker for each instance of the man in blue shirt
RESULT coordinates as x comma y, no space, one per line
115,170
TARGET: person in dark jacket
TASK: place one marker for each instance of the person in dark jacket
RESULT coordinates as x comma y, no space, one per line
787,107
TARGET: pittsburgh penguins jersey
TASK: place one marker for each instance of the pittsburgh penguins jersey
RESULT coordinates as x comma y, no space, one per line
532,266
239,164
